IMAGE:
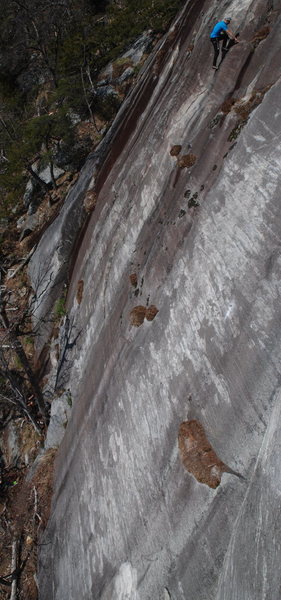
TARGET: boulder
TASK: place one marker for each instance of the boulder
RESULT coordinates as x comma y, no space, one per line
106,91
129,72
140,47
60,413
123,68
32,186
27,224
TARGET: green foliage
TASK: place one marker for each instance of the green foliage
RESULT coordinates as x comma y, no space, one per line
107,107
59,309
72,41
94,43
69,398
13,183
36,138
17,361
125,24
134,17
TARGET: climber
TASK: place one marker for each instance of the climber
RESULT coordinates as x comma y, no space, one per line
221,33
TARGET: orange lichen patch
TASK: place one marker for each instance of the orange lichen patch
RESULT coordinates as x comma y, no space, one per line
151,312
197,454
90,201
137,315
79,293
133,279
175,150
187,160
190,48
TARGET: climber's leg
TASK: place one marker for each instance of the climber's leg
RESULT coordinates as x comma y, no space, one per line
216,46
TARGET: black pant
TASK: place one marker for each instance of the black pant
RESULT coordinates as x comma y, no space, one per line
216,43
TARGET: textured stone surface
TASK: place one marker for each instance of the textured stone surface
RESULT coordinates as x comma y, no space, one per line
128,521
255,541
60,413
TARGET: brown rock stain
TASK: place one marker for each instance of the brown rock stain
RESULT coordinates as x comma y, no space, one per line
139,313
243,109
246,103
198,456
260,35
175,150
187,160
151,312
90,201
133,279
228,105
80,289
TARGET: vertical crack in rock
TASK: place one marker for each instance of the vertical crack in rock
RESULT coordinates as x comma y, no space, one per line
198,456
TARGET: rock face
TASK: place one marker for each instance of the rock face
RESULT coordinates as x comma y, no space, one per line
203,243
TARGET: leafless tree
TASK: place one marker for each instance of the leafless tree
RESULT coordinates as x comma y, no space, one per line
14,345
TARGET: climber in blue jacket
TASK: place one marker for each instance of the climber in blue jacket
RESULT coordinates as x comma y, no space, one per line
221,32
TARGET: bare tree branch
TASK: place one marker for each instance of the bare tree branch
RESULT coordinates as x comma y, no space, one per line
25,261
15,546
19,351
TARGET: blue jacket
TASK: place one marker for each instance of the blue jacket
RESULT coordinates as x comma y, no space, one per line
218,29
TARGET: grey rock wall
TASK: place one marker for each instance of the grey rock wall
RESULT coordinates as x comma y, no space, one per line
128,520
